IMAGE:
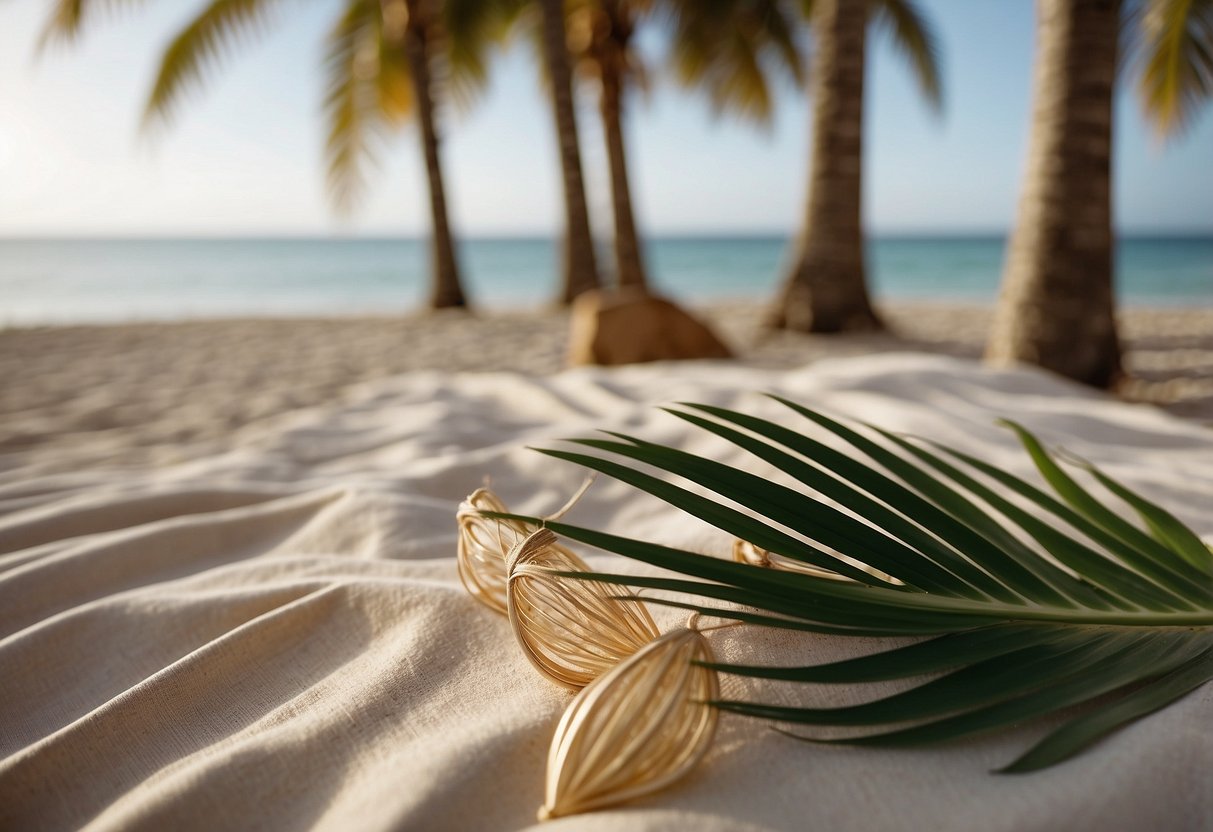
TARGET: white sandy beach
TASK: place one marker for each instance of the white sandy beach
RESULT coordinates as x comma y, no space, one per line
165,392
272,634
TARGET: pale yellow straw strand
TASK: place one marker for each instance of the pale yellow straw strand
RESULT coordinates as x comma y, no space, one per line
571,630
636,729
746,552
480,550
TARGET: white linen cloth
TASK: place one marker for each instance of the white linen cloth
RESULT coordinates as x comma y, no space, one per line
275,637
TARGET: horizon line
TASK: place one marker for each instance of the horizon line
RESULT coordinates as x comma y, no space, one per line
704,234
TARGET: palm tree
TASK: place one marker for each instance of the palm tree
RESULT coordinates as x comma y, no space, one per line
825,290
1057,307
601,36
580,266
602,32
387,61
722,45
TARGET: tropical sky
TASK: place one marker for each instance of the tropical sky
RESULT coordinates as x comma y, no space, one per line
245,156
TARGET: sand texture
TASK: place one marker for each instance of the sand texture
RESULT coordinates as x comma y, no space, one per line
157,393
275,636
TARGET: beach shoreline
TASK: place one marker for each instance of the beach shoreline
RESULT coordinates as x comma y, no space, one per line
69,280
159,393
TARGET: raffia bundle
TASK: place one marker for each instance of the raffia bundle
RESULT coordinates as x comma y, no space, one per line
571,630
482,546
641,719
479,553
636,729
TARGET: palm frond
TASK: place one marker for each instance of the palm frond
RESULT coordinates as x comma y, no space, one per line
1030,617
733,49
67,18
471,29
913,36
202,45
64,21
368,86
1174,41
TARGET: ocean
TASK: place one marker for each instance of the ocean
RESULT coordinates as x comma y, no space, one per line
78,281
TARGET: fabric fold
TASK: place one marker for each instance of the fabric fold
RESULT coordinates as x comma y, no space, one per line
275,637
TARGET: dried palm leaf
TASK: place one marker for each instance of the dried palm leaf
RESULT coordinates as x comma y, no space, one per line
635,730
483,543
571,630
480,553
746,552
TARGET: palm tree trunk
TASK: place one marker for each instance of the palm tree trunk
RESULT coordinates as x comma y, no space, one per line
579,263
1057,307
446,289
826,290
629,262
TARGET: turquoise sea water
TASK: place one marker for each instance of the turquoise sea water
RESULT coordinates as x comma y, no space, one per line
62,281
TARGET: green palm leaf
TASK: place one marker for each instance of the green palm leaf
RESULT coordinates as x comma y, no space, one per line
67,17
913,36
1031,616
64,21
471,29
732,49
200,46
1174,42
368,88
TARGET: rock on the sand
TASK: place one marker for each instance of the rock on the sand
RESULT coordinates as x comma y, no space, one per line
632,327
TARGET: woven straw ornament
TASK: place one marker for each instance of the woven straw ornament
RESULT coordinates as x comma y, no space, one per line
636,729
571,630
481,550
